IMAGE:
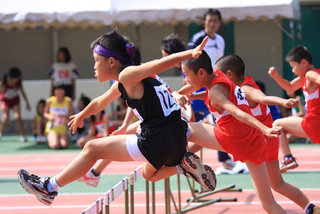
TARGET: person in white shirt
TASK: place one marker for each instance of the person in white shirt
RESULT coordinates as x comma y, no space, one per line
63,72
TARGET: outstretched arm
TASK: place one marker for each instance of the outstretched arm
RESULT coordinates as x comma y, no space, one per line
218,96
134,74
290,87
258,96
96,105
184,95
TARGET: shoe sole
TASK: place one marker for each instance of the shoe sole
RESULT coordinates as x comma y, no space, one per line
196,167
30,189
289,166
88,183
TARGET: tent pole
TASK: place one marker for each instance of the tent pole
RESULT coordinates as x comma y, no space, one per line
55,44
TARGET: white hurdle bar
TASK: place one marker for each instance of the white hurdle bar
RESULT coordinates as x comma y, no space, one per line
114,193
117,190
95,208
134,177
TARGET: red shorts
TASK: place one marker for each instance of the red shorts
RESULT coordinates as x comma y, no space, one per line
273,148
10,103
244,142
310,124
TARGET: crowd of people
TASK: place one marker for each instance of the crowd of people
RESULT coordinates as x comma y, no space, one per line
217,102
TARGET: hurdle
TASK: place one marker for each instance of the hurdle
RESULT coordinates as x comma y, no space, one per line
95,208
115,192
125,186
196,195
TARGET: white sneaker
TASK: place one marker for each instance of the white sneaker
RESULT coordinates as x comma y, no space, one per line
36,186
23,139
228,164
42,139
90,179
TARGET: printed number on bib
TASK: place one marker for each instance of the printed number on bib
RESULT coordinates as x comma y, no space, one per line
168,103
240,95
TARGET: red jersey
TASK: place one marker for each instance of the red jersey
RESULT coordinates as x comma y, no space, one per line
310,122
10,95
100,126
262,113
244,142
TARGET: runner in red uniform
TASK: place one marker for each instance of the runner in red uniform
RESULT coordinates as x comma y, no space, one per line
308,78
233,67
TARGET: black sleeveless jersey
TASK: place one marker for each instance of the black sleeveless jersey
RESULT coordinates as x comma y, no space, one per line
163,136
157,107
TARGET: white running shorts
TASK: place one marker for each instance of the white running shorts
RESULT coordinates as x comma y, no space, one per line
133,149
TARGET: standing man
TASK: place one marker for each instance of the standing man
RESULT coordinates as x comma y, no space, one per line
215,44
215,49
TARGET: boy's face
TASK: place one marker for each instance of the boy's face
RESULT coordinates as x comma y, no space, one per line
212,23
100,67
297,68
192,78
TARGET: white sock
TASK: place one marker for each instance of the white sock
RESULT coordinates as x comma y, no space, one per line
53,186
179,169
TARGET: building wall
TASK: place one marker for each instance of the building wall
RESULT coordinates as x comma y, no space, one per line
259,44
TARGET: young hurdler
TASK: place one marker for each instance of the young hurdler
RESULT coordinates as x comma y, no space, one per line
237,131
162,142
234,67
308,78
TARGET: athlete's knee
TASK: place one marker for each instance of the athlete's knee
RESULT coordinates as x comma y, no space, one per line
54,146
91,147
149,177
277,122
278,185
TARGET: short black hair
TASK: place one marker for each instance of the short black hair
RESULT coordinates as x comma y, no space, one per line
86,100
231,62
13,72
66,53
114,42
261,85
41,101
203,61
60,86
212,11
172,44
299,53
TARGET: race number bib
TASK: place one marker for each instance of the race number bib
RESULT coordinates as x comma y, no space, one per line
167,101
240,96
58,121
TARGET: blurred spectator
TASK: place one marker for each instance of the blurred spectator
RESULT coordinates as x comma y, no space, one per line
57,110
63,72
10,86
39,123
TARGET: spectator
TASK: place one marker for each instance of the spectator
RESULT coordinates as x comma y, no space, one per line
57,110
81,132
63,72
215,49
10,86
101,126
39,123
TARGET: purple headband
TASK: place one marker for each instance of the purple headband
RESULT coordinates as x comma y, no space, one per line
131,50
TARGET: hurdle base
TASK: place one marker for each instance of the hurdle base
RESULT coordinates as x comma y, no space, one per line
198,198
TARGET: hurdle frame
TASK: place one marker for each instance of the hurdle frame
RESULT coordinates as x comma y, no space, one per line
197,195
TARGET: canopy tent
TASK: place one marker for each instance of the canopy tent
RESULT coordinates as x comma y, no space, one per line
32,14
